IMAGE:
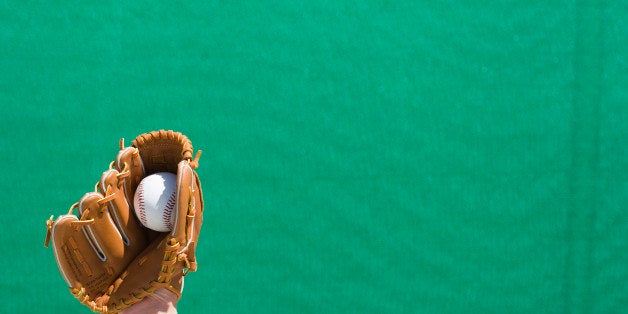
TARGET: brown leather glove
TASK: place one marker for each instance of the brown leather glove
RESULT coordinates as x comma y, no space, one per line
108,259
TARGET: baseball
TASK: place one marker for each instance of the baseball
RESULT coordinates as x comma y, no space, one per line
154,201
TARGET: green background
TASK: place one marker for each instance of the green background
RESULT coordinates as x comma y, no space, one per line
361,157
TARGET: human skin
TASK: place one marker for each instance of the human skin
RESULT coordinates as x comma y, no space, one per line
162,301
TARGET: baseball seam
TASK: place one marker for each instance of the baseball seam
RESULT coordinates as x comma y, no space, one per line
167,217
140,199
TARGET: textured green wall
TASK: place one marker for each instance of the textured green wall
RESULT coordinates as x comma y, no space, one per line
368,157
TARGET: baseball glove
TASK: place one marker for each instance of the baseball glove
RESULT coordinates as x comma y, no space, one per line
108,259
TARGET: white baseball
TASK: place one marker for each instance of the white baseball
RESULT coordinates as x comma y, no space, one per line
155,200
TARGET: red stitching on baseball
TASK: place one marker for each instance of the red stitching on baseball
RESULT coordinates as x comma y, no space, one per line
169,209
140,198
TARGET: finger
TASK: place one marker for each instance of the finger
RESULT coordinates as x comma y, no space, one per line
132,233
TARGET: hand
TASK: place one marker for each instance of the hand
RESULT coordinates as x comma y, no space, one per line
162,301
